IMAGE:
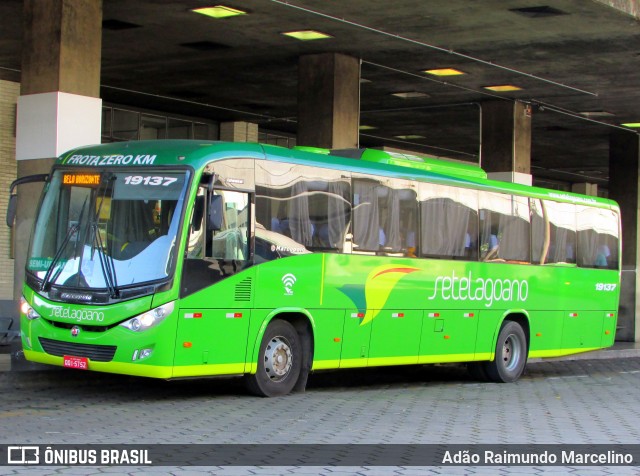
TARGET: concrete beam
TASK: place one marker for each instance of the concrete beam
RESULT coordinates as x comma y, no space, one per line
630,7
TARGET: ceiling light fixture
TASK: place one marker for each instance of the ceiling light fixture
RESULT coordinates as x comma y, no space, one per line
444,72
410,95
409,136
364,127
501,88
219,11
307,35
631,124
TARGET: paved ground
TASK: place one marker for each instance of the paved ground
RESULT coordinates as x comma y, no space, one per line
578,402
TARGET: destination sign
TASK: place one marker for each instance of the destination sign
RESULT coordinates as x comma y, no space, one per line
81,180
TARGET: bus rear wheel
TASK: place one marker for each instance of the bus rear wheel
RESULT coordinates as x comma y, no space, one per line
511,354
279,361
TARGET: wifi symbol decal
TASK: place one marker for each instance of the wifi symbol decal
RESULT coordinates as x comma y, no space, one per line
288,280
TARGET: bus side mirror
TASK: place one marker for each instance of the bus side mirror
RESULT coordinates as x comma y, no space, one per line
214,215
198,212
11,209
13,198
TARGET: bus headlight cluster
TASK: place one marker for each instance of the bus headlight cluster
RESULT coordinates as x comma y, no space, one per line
27,310
149,319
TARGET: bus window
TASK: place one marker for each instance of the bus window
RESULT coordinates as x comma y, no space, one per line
333,225
310,207
539,232
384,217
597,238
368,234
562,232
409,226
398,212
231,241
449,222
195,244
215,254
504,228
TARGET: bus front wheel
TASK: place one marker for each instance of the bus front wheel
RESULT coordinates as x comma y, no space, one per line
511,354
279,361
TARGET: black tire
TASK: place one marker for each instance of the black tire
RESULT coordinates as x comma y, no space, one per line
279,361
478,371
511,354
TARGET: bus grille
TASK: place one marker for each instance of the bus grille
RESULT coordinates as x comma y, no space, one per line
99,353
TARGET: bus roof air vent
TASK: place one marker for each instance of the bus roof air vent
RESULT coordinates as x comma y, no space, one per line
429,164
313,150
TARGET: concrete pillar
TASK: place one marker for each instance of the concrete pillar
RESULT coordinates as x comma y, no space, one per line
9,92
239,131
328,101
624,177
59,107
505,149
585,188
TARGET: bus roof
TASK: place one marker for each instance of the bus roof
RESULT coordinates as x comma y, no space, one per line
198,153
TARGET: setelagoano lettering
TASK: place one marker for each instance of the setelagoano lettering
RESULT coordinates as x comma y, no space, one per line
78,315
488,290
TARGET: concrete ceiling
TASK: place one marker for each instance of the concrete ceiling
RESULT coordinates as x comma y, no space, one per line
568,56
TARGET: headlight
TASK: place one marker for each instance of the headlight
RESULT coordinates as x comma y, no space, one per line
27,310
149,319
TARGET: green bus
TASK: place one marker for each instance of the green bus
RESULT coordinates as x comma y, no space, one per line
175,259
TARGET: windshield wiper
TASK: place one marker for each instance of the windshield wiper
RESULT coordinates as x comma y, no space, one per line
73,229
47,277
106,261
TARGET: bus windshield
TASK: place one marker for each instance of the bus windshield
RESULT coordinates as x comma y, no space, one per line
106,229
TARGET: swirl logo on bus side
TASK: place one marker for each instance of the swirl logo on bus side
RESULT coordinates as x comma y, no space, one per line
489,290
379,284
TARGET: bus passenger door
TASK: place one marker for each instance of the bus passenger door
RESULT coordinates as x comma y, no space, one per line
217,285
448,336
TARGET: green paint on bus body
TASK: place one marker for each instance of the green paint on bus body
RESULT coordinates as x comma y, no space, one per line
363,310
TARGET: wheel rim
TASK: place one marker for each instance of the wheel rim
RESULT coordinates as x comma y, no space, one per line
511,352
278,358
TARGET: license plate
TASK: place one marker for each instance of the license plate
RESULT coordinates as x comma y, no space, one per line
81,363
